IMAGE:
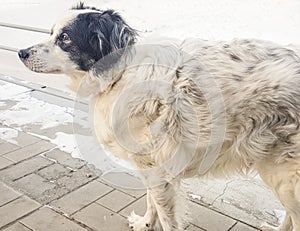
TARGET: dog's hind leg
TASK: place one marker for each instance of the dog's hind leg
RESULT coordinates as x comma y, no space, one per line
149,221
284,179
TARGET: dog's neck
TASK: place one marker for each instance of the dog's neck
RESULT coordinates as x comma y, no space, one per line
76,80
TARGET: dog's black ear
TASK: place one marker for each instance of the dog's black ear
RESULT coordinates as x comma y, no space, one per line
109,33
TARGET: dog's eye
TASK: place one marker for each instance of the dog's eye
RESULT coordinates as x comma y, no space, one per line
64,37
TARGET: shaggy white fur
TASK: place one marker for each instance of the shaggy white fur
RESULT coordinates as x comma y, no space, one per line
258,82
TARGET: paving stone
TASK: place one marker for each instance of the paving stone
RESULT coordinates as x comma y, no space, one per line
22,139
139,207
115,200
6,147
125,182
242,227
81,197
5,162
65,159
77,178
17,227
29,151
136,193
209,219
7,194
46,219
24,168
54,172
133,192
101,219
16,209
193,228
117,179
244,204
39,188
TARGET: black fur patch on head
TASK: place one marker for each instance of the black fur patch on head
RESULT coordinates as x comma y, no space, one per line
94,35
81,6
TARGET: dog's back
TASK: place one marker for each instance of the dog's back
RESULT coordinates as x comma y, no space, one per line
260,86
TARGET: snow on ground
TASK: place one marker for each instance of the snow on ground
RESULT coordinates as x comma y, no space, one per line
9,134
66,127
30,110
276,20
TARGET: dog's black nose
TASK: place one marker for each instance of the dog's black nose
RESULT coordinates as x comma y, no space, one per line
23,54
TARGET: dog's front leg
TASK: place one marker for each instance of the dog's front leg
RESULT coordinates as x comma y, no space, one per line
149,221
166,202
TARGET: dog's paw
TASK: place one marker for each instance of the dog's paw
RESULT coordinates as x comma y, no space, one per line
266,227
138,223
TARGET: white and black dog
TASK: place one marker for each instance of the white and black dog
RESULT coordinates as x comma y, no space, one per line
179,109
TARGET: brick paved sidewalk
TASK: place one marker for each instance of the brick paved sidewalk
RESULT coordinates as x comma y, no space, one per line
43,188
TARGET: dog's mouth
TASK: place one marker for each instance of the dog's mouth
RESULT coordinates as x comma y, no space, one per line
39,67
45,71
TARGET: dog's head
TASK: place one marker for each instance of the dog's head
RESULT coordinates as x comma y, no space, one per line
78,41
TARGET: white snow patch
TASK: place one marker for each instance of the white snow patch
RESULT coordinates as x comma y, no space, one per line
280,214
66,143
30,110
9,135
195,197
8,90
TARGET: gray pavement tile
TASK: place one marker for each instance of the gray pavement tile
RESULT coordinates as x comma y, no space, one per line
242,227
29,151
23,139
139,207
243,203
136,193
115,200
47,219
81,197
101,219
193,228
6,147
209,219
39,188
54,172
5,163
133,192
17,227
65,159
124,181
24,168
77,178
16,209
133,185
7,194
